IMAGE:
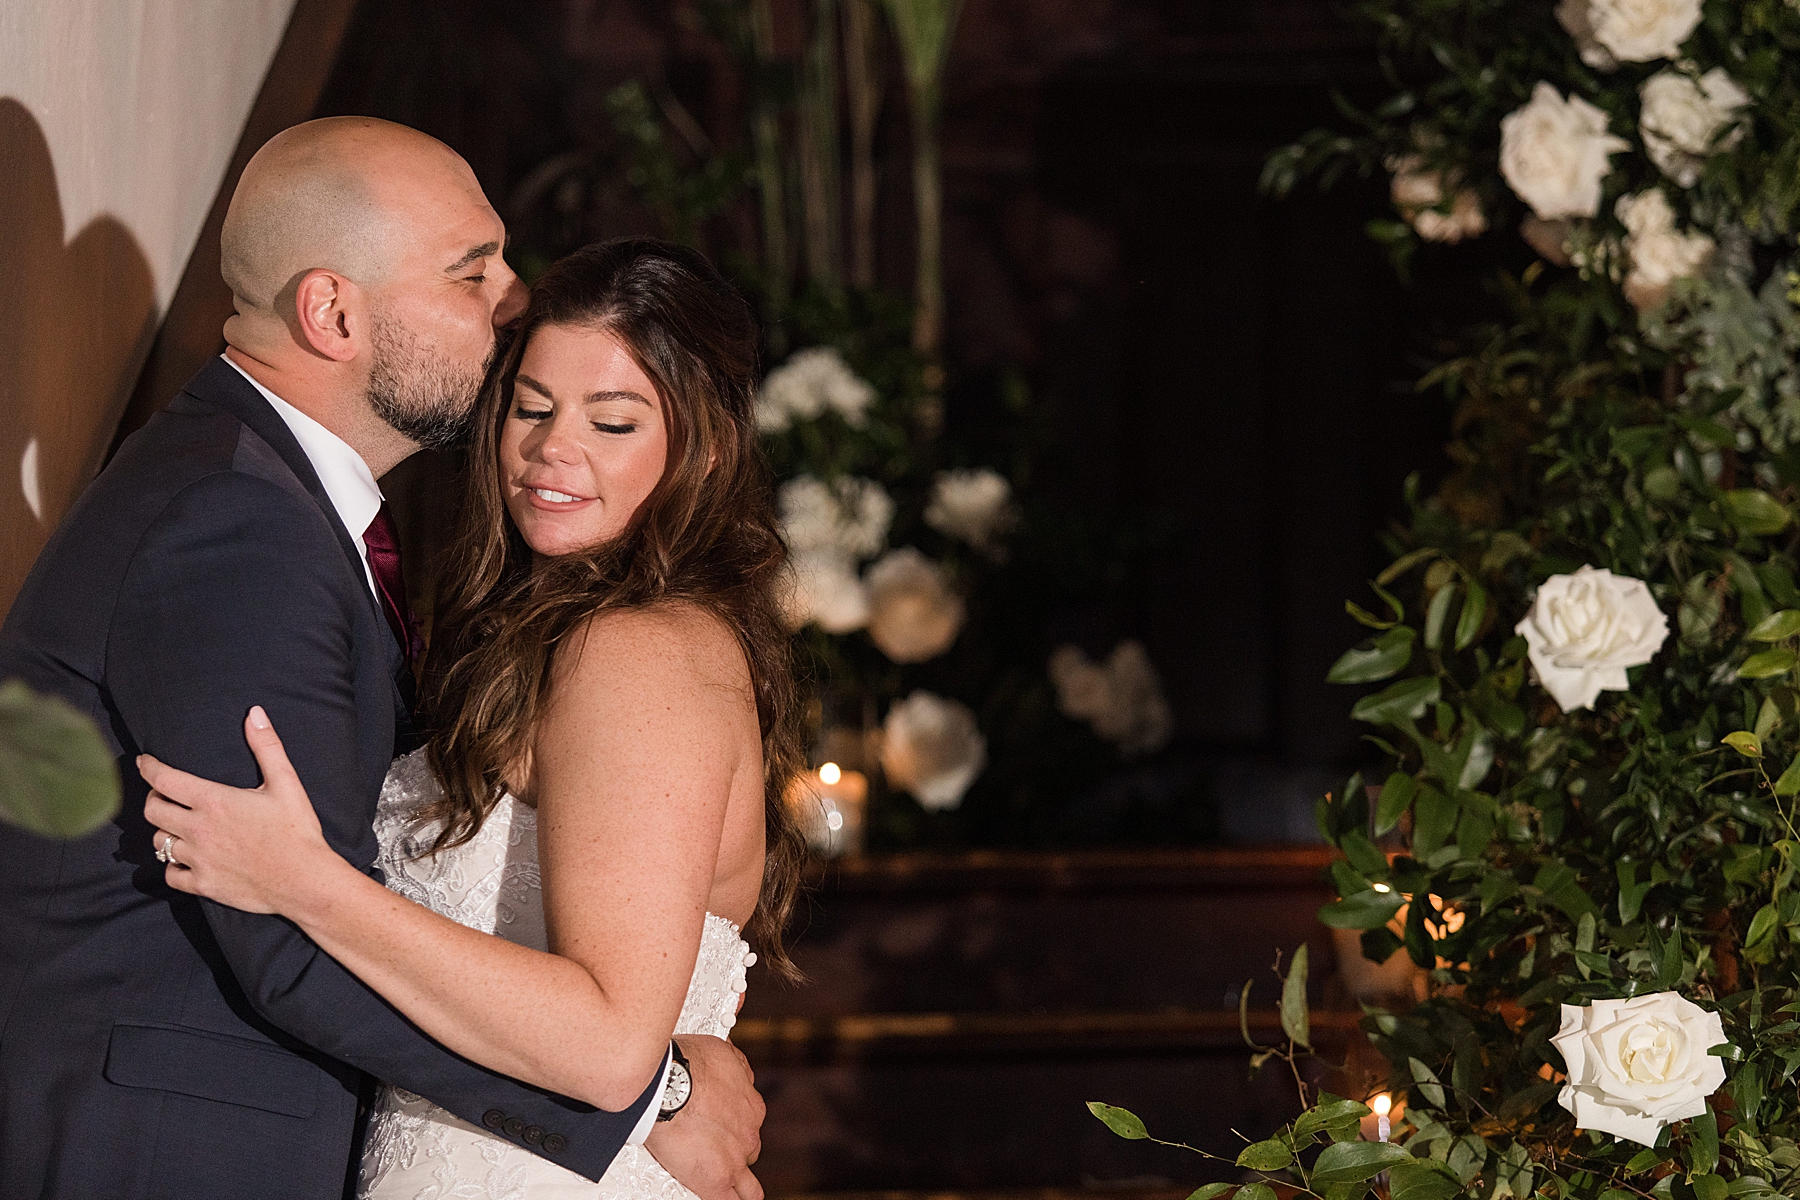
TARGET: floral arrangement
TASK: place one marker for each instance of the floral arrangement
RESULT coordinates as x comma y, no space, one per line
1586,650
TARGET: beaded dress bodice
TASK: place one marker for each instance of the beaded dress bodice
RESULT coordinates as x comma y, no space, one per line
414,1149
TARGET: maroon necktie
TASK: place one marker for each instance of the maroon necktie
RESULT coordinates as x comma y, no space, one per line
383,544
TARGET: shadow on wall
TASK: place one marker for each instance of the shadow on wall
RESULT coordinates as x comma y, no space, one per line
75,325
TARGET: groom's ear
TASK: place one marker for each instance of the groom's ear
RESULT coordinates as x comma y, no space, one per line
328,314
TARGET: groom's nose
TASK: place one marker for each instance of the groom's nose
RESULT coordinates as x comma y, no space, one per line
512,303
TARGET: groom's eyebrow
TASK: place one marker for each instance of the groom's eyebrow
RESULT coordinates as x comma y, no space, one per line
474,252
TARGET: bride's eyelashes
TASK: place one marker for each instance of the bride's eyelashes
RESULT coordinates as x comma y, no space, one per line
615,428
540,414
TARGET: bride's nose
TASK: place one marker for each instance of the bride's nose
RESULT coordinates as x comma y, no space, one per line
558,446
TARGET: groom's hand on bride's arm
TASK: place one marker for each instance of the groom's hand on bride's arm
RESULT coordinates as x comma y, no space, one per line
710,1144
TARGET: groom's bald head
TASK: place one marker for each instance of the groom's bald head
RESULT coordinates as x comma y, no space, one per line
332,194
369,281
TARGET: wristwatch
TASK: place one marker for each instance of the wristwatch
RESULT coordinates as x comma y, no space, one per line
680,1086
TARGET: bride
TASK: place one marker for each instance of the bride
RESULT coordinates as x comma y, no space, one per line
612,713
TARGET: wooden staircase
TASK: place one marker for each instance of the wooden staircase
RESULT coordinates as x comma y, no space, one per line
961,1009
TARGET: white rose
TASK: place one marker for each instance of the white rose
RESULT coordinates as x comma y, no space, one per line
932,748
809,383
1553,153
1585,629
913,614
1419,195
1659,254
826,590
974,506
1643,30
1682,118
850,516
1578,20
1122,699
1637,1065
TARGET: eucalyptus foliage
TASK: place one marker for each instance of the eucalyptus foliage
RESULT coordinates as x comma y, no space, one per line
1521,856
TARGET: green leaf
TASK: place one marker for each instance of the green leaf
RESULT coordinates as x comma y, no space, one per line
1762,930
1403,564
1744,742
1421,1179
1406,700
1426,1080
1119,1120
1642,1161
1435,615
1210,1191
1474,611
1368,909
1396,797
1265,1156
1703,1149
1709,1187
1353,1162
1755,512
1294,1021
57,777
1777,626
1668,971
1765,664
1255,1191
1789,783
1363,616
1562,887
1384,659
1433,816
1328,1113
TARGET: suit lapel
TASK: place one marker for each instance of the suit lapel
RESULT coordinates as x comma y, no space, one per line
219,385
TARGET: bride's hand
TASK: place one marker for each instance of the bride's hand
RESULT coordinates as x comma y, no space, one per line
250,848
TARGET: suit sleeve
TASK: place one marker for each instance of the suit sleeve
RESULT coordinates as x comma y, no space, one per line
240,594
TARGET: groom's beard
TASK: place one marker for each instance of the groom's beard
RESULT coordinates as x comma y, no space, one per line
420,393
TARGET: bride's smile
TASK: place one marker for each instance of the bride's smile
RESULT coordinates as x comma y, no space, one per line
584,441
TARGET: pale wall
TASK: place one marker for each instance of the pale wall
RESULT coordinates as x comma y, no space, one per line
118,119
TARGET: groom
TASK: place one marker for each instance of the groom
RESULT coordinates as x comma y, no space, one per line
236,552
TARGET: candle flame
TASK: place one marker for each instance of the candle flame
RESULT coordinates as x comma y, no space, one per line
829,773
1382,1104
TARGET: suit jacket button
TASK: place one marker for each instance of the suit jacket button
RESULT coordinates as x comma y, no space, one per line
514,1127
493,1118
534,1135
555,1143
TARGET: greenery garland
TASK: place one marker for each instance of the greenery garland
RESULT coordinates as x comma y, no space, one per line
1586,643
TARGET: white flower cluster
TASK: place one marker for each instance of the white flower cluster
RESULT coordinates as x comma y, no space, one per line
1555,152
1659,253
932,748
1637,1065
830,529
810,383
904,599
972,506
1121,698
1419,195
1584,630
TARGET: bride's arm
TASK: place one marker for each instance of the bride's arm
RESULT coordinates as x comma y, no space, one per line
632,767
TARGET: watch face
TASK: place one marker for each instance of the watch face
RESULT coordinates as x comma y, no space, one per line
680,1084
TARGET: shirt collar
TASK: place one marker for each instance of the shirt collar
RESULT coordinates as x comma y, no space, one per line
346,478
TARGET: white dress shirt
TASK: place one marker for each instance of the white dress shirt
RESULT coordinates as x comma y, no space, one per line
353,492
346,478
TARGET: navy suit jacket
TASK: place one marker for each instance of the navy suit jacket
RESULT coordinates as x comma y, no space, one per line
153,1044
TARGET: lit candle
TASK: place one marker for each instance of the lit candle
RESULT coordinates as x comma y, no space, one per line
829,804
1382,1105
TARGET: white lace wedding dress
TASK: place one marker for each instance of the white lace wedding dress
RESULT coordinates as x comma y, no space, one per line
417,1151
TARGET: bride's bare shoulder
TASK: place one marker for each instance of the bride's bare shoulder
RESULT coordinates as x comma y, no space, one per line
673,643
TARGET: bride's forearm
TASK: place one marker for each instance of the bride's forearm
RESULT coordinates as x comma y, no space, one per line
537,1017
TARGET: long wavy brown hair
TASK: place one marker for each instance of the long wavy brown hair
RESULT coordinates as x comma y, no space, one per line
705,536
